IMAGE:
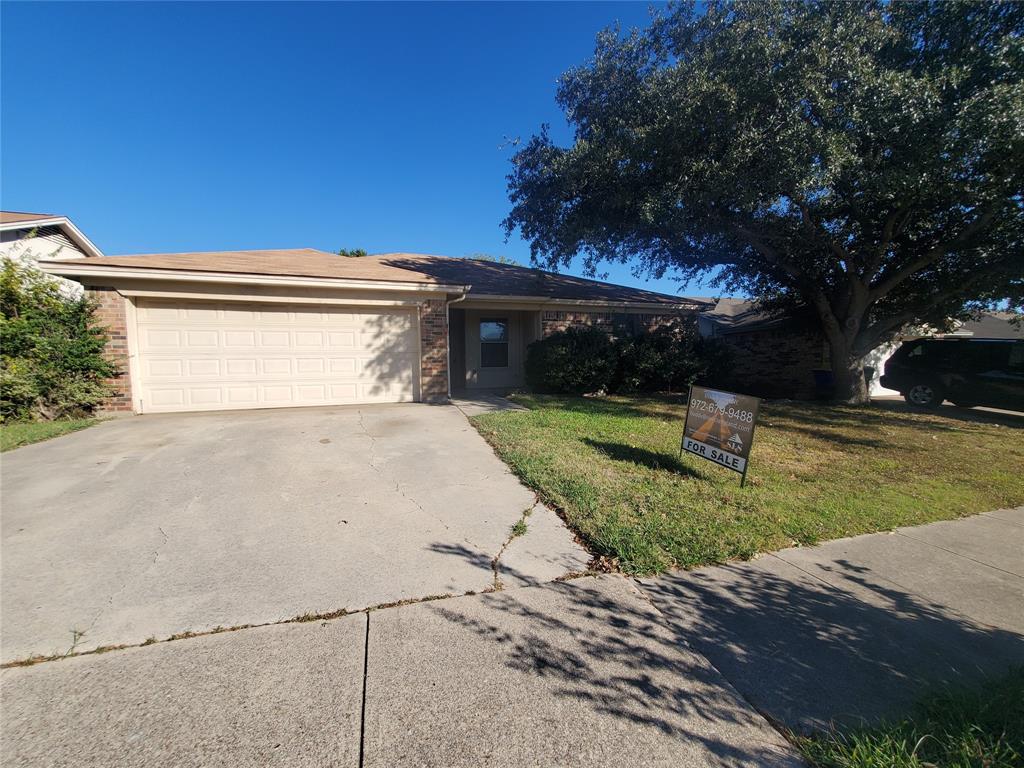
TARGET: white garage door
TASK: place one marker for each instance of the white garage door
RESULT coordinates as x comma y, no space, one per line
207,356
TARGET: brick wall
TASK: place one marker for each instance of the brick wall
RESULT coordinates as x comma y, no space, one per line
615,323
434,351
776,362
111,315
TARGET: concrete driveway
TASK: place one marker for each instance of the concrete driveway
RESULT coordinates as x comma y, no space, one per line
153,526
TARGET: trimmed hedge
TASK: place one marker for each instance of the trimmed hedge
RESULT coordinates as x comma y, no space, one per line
584,360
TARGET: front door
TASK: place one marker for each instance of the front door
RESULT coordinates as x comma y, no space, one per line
494,349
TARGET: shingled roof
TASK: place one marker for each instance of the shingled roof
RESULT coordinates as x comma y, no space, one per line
486,278
16,217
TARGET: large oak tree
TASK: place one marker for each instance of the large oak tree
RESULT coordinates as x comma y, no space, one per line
860,164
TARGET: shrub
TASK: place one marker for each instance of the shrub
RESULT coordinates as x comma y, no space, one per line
669,359
51,350
589,360
575,361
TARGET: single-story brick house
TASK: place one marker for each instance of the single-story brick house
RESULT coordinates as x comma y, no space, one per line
262,329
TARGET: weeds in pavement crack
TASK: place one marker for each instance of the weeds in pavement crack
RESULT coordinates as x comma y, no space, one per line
519,528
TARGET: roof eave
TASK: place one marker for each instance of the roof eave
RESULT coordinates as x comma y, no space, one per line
79,269
74,233
556,301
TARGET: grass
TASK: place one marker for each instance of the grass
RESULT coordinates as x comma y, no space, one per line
982,728
18,433
816,472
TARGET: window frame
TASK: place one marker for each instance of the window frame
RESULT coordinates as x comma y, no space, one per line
505,323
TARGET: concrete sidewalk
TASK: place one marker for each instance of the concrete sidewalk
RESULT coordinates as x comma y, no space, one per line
679,671
579,673
859,628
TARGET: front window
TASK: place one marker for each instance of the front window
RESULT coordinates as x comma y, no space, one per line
494,343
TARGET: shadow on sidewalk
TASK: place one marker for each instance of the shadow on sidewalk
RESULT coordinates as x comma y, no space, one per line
803,653
806,654
611,673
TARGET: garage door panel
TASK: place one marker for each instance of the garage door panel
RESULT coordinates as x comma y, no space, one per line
239,339
200,367
161,398
277,366
342,339
159,368
201,339
205,396
281,339
236,367
210,356
309,339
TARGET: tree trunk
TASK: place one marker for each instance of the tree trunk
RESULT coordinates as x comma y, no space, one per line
848,376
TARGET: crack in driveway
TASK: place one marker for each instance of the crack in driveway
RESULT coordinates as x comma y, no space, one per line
514,534
77,635
380,471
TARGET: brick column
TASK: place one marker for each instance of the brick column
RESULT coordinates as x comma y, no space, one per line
111,315
434,351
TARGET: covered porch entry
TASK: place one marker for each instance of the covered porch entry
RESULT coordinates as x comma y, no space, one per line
488,346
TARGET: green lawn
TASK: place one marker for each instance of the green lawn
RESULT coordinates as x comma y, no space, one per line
18,433
817,472
981,728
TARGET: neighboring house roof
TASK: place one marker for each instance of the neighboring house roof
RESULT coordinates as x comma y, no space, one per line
740,316
13,217
991,325
20,220
484,278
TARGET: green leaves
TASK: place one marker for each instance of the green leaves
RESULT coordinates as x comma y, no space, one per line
52,362
865,159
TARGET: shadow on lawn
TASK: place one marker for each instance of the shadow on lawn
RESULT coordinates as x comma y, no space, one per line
879,413
665,408
650,459
883,413
969,415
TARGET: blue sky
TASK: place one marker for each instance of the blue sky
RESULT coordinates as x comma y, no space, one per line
194,126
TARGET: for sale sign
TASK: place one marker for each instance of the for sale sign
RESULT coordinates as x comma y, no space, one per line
720,427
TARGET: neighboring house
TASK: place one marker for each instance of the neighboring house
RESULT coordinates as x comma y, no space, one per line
775,357
44,236
34,237
260,329
771,355
990,325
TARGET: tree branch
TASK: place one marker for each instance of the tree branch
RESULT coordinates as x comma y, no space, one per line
809,289
888,231
882,288
816,230
870,337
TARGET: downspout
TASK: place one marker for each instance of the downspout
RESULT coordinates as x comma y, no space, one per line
448,333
